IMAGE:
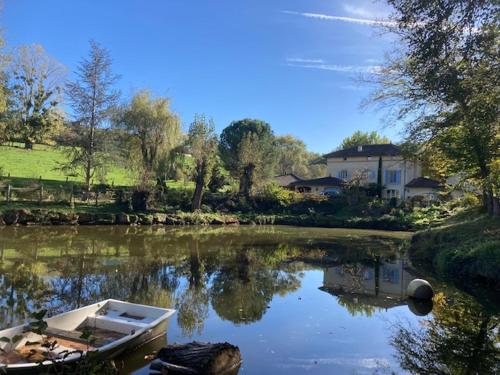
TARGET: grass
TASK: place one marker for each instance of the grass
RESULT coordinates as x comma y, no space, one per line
25,166
465,245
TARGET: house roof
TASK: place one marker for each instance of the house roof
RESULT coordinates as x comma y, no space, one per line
323,181
286,179
366,150
422,182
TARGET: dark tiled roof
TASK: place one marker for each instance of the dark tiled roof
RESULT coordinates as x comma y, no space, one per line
422,182
286,179
366,150
323,181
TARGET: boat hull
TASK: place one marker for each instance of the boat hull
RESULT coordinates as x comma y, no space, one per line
141,338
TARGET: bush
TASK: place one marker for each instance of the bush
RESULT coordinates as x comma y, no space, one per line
276,197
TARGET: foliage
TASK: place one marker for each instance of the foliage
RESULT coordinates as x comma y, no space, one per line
93,98
293,157
274,196
359,138
36,90
152,129
246,148
465,245
202,142
446,82
461,338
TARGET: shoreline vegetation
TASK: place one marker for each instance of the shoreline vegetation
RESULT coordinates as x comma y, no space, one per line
462,244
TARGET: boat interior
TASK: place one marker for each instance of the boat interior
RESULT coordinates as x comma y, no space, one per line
88,328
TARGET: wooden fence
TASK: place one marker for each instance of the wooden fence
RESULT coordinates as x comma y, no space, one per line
65,192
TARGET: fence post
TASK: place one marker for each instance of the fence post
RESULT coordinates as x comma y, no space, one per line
40,197
71,197
8,192
96,197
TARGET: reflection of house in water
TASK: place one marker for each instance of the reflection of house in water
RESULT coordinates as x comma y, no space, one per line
380,285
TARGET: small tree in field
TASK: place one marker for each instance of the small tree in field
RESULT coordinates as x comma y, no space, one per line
93,98
36,90
153,129
203,145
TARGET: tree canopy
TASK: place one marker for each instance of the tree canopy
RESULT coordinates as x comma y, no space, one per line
359,138
445,82
246,147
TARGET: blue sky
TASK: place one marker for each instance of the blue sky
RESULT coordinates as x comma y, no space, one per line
292,63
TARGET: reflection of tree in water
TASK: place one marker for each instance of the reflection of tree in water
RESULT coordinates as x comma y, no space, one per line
20,285
462,338
243,288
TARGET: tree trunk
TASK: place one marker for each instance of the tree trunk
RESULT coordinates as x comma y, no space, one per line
197,195
28,145
247,180
198,358
200,184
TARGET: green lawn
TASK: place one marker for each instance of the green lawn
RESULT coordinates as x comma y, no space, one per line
45,161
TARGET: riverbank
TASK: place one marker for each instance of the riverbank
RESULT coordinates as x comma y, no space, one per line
464,247
112,215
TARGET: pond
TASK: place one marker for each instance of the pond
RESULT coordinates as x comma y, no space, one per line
295,300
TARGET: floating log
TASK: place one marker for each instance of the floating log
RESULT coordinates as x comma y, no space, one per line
198,359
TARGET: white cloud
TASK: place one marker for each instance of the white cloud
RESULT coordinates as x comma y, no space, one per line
304,61
371,69
326,17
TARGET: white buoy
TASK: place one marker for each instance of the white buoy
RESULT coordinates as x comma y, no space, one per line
420,289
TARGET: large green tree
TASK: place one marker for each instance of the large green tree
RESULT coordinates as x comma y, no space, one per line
246,147
445,81
153,129
202,142
93,98
359,138
36,88
292,157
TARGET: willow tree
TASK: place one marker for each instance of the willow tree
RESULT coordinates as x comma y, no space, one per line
152,127
93,98
202,142
445,81
359,138
36,88
247,149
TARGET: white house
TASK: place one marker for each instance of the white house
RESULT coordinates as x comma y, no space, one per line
401,178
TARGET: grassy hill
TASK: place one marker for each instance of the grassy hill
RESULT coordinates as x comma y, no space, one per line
45,161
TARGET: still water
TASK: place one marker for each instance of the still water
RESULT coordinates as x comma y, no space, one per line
295,300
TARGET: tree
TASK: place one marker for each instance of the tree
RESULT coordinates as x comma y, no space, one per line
202,142
246,147
150,123
36,89
93,98
359,138
4,94
445,81
293,157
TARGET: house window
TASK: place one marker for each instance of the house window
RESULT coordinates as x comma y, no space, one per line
393,177
392,193
342,174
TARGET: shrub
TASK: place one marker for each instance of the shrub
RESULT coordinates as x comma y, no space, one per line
276,197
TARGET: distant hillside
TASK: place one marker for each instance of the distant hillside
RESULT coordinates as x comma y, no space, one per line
44,161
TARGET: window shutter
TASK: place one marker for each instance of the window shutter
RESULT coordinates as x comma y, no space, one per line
386,177
398,177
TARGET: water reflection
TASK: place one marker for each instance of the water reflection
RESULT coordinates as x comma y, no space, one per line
461,338
223,281
364,288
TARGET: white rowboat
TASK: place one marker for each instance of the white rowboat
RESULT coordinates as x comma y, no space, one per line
114,327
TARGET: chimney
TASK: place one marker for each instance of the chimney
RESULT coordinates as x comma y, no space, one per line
360,148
